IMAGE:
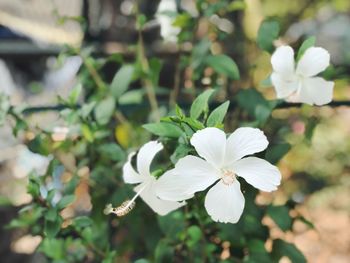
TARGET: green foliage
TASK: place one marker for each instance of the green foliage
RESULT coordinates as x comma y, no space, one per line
103,123
163,129
255,104
104,110
217,116
280,214
224,65
200,104
122,80
65,201
268,32
309,42
75,94
194,236
164,252
276,152
281,248
257,252
173,224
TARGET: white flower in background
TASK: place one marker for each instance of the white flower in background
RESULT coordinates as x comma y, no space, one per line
146,187
300,84
221,164
165,16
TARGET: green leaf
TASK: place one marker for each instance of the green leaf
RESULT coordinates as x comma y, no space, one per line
40,144
195,234
280,214
50,195
199,53
87,108
131,97
194,124
155,68
200,104
110,257
306,221
52,227
179,112
163,129
122,80
74,94
53,248
276,152
28,216
112,151
217,116
181,151
82,221
309,42
172,224
51,214
268,32
164,252
33,187
281,248
224,65
236,5
65,201
255,104
257,252
310,128
87,133
104,110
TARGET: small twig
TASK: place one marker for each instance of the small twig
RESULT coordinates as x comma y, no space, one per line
125,108
146,69
94,74
146,81
175,92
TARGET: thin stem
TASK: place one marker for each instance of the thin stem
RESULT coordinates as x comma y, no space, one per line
175,92
94,74
125,108
146,81
146,69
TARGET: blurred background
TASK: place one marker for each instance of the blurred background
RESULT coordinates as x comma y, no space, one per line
33,72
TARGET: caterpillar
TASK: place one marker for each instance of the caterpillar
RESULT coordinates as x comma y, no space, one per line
124,208
121,210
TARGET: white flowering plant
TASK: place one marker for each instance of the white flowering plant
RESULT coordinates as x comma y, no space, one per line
174,159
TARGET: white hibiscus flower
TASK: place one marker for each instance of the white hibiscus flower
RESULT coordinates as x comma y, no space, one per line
166,10
222,162
300,84
146,187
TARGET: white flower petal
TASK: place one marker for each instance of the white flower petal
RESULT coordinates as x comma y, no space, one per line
146,155
225,203
168,31
282,61
284,87
314,61
259,173
244,141
172,187
159,206
130,176
210,143
316,91
191,174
